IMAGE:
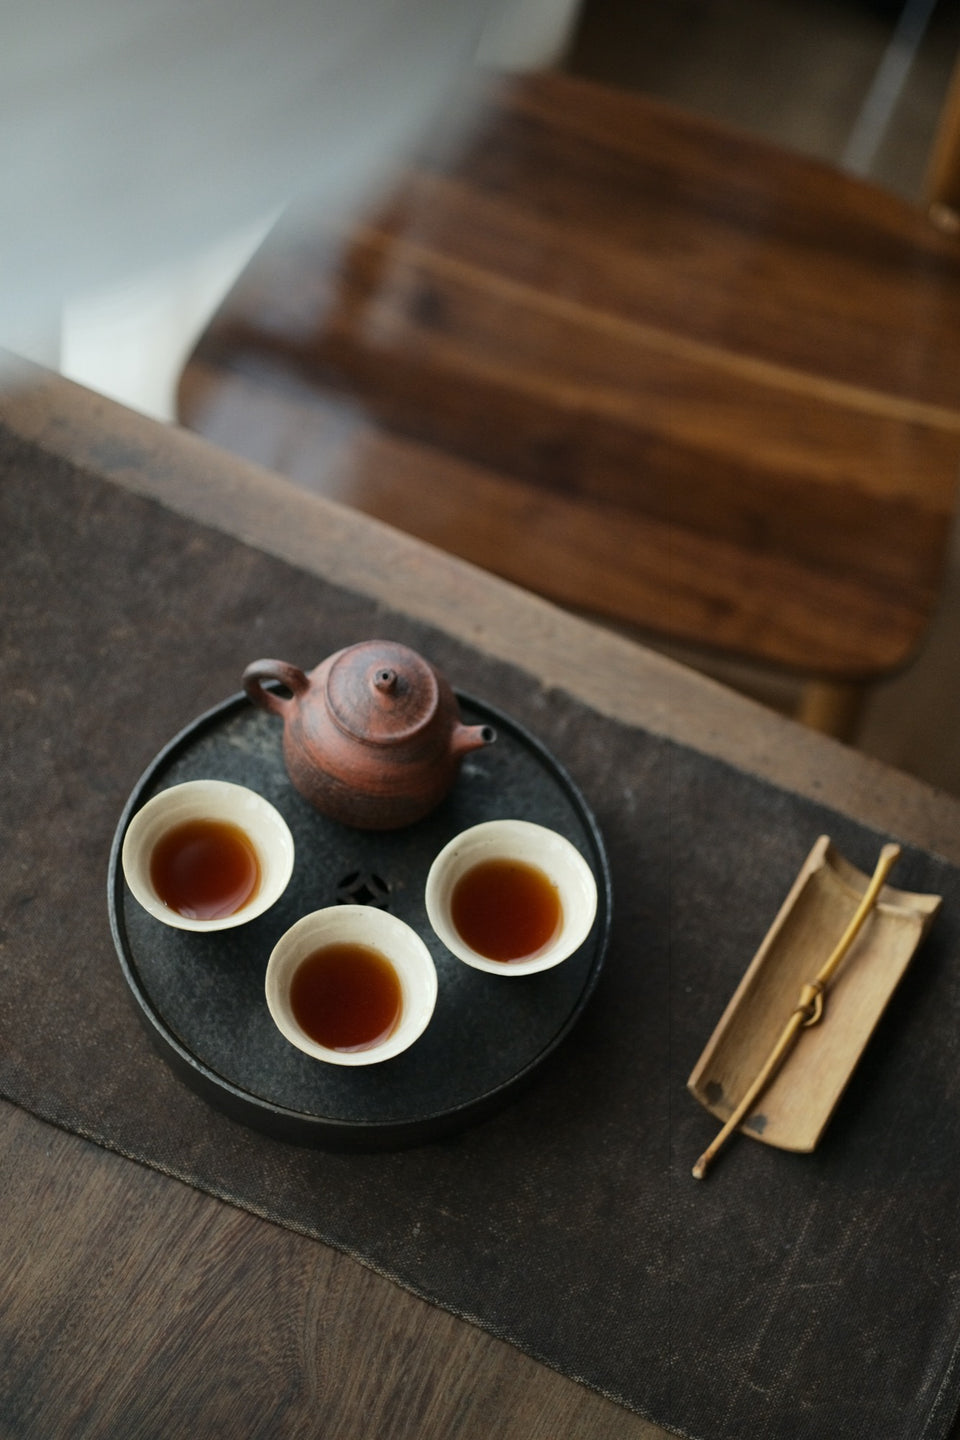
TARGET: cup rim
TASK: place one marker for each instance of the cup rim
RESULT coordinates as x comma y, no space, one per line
223,800
535,844
365,925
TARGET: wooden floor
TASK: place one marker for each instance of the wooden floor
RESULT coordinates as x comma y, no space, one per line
800,71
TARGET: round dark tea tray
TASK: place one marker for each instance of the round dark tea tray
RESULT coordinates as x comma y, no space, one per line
201,996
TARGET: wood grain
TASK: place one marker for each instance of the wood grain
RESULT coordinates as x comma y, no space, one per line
597,556
132,1305
682,380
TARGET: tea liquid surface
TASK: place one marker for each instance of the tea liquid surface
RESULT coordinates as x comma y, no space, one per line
205,869
346,996
506,910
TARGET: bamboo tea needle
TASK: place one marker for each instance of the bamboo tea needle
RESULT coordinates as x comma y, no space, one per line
808,1010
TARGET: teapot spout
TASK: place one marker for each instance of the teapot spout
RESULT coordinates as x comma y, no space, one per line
471,737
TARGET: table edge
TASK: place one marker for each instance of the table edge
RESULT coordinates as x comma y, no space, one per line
614,675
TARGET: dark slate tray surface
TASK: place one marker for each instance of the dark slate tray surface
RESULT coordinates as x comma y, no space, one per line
202,999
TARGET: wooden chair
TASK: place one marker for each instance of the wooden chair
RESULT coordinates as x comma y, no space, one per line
650,367
942,180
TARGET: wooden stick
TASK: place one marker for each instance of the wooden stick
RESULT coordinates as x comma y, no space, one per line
808,1011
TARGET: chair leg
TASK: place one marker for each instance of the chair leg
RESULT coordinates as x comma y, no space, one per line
833,707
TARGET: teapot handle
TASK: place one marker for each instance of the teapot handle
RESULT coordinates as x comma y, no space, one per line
289,675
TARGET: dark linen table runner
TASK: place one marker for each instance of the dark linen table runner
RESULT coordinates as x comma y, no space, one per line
787,1296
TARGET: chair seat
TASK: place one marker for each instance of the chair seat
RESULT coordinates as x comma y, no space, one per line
648,366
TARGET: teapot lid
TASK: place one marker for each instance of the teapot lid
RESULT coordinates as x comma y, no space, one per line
381,692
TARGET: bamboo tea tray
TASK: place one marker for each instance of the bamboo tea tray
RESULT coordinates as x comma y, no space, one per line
795,1107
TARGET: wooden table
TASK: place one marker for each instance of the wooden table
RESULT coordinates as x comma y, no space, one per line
131,1304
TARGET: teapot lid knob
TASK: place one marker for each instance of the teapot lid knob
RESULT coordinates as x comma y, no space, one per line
381,692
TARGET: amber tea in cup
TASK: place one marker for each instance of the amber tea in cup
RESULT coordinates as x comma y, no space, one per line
205,869
506,909
207,855
511,897
351,985
346,997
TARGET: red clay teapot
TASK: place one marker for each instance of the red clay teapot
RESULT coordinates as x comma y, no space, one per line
372,737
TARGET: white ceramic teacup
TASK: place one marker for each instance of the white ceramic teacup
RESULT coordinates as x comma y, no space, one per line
348,926
531,845
220,801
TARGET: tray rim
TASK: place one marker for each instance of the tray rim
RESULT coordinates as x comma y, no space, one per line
302,1127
